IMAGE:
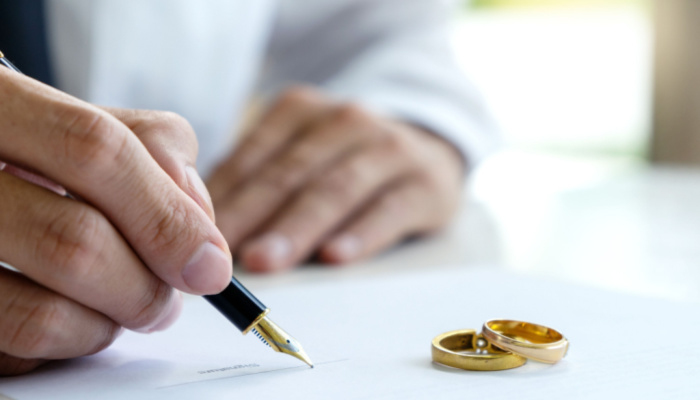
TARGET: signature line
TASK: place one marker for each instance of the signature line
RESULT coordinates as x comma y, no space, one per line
252,373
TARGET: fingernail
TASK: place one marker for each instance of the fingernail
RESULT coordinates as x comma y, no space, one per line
208,271
344,248
202,196
270,252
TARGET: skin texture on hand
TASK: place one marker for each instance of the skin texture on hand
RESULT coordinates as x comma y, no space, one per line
315,177
116,259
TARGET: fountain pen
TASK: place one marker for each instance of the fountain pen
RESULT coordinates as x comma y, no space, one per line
240,307
5,62
248,314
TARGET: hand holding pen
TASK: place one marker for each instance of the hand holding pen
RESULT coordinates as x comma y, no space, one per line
89,268
83,280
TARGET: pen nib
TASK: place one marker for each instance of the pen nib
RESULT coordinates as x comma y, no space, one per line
279,340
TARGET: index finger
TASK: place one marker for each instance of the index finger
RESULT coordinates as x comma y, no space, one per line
92,154
171,141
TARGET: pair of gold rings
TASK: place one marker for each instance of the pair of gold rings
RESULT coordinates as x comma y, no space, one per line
502,344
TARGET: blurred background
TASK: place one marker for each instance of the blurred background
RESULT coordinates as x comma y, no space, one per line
599,105
564,78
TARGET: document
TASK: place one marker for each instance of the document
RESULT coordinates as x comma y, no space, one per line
370,339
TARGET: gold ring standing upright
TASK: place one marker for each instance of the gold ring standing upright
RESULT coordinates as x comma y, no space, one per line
536,342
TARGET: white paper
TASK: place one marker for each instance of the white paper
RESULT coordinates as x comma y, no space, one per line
370,338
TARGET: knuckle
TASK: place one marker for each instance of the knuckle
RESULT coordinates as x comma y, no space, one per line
170,226
71,242
174,124
149,307
92,143
285,175
351,114
402,150
298,94
256,143
298,161
340,186
396,144
38,326
171,120
109,335
165,127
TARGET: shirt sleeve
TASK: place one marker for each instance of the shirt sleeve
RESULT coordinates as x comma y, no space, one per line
393,56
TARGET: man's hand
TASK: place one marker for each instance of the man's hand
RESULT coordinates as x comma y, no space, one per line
90,267
315,176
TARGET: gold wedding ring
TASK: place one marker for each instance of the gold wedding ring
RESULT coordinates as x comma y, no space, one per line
466,349
533,341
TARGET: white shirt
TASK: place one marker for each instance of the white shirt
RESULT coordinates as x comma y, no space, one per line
204,59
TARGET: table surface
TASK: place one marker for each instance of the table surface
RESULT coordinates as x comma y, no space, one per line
618,224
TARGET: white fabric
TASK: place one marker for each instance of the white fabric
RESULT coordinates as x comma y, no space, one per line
203,59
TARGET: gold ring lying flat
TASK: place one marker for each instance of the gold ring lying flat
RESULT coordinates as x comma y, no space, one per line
533,341
466,350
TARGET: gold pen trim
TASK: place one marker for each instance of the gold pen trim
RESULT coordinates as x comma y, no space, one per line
257,321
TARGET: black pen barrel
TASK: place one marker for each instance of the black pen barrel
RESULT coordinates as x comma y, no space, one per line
5,62
237,304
